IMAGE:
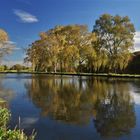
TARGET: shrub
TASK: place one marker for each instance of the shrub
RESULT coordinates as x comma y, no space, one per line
7,134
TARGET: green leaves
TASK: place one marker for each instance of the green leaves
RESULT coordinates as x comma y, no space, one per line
115,35
72,48
4,117
61,48
7,134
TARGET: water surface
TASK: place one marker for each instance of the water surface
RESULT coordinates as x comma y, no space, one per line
73,108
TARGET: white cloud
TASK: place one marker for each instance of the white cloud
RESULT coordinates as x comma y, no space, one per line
137,37
136,97
137,41
17,48
25,17
7,45
11,42
27,122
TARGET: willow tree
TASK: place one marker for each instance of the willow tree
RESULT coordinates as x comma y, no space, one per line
5,45
51,43
62,48
74,43
115,36
37,54
43,53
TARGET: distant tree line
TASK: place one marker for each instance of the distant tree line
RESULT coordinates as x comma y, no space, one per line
17,67
73,48
134,64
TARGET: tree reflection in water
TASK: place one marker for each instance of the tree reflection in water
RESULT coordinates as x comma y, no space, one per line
114,108
6,94
77,100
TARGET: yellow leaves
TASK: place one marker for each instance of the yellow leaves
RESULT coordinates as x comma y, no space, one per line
43,35
72,47
6,46
3,35
93,37
115,35
63,45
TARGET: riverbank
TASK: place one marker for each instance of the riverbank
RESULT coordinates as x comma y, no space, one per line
76,74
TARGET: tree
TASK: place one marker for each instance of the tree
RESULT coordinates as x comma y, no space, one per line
72,43
73,48
62,48
3,36
37,54
17,67
115,36
5,45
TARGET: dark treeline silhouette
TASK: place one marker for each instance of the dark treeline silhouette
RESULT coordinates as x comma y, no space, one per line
134,64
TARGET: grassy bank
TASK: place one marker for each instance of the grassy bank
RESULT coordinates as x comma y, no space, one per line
5,132
75,74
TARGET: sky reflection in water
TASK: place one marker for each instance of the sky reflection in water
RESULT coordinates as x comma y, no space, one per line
74,108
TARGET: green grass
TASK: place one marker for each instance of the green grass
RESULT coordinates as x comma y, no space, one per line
76,73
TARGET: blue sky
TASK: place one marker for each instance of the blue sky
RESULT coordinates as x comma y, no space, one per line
25,19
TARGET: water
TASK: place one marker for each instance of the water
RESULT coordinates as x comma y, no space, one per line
73,108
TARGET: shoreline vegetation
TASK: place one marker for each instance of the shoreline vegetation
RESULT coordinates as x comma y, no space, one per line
76,74
73,48
5,132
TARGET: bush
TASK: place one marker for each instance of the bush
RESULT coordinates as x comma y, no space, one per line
7,134
14,135
4,117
